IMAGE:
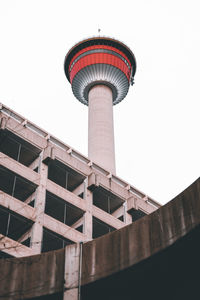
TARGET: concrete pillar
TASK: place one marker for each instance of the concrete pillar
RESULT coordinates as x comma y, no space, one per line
72,275
127,216
88,221
100,127
37,229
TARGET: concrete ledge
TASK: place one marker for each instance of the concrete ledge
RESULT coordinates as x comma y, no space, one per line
14,248
107,218
54,153
63,229
24,132
140,204
65,195
19,169
97,180
17,206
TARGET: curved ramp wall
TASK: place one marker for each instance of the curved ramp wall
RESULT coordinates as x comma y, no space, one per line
132,259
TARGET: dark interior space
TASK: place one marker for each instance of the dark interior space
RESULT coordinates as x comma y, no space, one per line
100,228
13,225
17,148
61,210
4,255
106,200
15,185
170,274
63,175
52,241
136,214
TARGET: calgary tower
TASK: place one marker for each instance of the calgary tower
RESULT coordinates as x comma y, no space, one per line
100,70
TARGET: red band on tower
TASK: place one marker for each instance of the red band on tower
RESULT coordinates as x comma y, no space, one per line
99,58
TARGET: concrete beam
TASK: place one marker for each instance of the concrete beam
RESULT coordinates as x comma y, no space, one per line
140,204
34,164
50,223
107,218
99,180
14,248
93,181
63,229
64,194
19,169
96,180
78,223
79,190
30,198
118,212
25,236
55,153
17,206
122,211
3,121
24,132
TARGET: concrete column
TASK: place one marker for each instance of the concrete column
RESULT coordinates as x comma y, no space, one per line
37,229
72,275
88,222
100,127
127,216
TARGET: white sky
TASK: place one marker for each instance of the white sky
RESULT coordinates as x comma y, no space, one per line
157,125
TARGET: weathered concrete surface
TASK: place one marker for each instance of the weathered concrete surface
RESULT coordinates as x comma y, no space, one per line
55,149
125,247
172,273
14,248
14,204
19,169
173,230
40,199
32,276
72,271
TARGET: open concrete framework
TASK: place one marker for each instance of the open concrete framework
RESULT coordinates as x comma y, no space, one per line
52,196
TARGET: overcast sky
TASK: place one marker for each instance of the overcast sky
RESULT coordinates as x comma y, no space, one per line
157,125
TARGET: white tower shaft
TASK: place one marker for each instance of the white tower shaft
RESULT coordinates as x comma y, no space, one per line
101,147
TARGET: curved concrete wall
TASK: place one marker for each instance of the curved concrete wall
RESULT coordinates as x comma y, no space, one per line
33,276
107,257
123,248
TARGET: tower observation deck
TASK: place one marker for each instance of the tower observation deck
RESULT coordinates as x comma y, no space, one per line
100,71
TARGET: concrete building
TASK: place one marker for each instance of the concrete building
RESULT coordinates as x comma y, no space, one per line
53,196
